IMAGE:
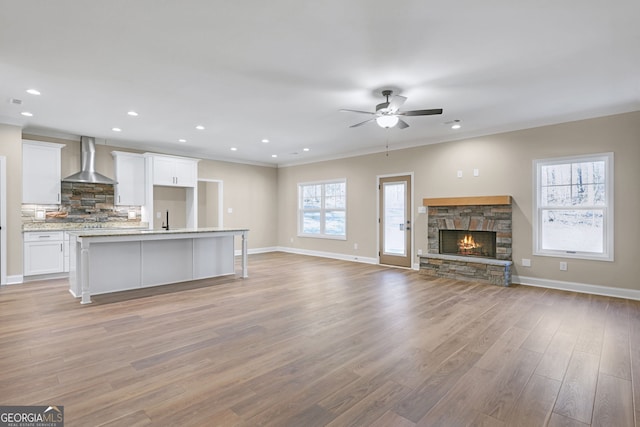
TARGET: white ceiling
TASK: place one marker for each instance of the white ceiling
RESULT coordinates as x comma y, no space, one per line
282,70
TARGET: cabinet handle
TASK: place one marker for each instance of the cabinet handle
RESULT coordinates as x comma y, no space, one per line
60,247
118,199
43,237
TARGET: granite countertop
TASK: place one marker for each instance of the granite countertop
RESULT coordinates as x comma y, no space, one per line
146,232
83,226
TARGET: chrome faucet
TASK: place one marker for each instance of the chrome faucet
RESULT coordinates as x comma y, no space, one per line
166,227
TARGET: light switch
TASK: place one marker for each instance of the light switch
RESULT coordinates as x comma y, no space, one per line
476,172
459,174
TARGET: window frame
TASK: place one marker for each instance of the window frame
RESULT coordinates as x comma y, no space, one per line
607,209
322,210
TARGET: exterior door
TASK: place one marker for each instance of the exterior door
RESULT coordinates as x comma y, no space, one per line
395,220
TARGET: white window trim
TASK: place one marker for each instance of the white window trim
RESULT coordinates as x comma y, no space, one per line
608,245
322,210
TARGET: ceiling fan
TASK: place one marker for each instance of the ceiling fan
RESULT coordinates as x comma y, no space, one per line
387,114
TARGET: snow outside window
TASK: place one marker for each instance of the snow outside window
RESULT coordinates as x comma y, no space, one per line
573,212
322,209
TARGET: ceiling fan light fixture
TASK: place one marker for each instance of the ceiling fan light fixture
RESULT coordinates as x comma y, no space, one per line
387,121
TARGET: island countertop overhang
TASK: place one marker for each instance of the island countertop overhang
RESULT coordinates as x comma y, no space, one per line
172,233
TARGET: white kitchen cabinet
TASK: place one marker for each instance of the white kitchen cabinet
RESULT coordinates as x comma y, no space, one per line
43,253
41,172
174,171
130,174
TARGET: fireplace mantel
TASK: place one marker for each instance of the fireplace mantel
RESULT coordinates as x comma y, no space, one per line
467,201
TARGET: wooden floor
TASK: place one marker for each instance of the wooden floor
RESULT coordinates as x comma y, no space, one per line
313,342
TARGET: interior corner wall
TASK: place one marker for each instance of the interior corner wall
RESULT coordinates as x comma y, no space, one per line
505,164
11,148
249,199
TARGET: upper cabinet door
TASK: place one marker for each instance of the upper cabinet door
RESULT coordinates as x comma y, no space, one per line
186,171
130,174
41,172
175,171
163,171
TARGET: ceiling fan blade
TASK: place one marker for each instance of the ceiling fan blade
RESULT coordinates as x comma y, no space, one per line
402,124
361,123
395,103
355,111
421,112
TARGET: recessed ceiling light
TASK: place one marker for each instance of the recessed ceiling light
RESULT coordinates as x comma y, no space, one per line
116,129
306,149
182,140
266,141
26,113
274,155
233,149
200,127
33,91
456,124
132,113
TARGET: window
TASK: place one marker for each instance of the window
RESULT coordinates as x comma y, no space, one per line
573,214
322,209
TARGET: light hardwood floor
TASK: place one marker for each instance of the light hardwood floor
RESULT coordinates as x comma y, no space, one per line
312,342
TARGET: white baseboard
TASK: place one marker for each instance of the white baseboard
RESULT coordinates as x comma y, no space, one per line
342,257
238,252
583,288
14,280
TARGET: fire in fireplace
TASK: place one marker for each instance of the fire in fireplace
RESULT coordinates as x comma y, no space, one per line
468,243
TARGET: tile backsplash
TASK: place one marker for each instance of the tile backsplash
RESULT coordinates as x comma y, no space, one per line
82,202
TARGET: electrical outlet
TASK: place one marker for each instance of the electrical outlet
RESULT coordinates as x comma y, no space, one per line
158,215
476,172
419,251
563,266
526,262
291,240
355,246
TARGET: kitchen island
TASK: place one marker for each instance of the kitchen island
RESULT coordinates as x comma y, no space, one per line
105,261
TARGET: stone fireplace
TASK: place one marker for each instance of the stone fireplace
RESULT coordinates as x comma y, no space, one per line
469,238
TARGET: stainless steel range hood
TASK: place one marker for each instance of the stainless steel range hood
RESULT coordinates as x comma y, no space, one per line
88,172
